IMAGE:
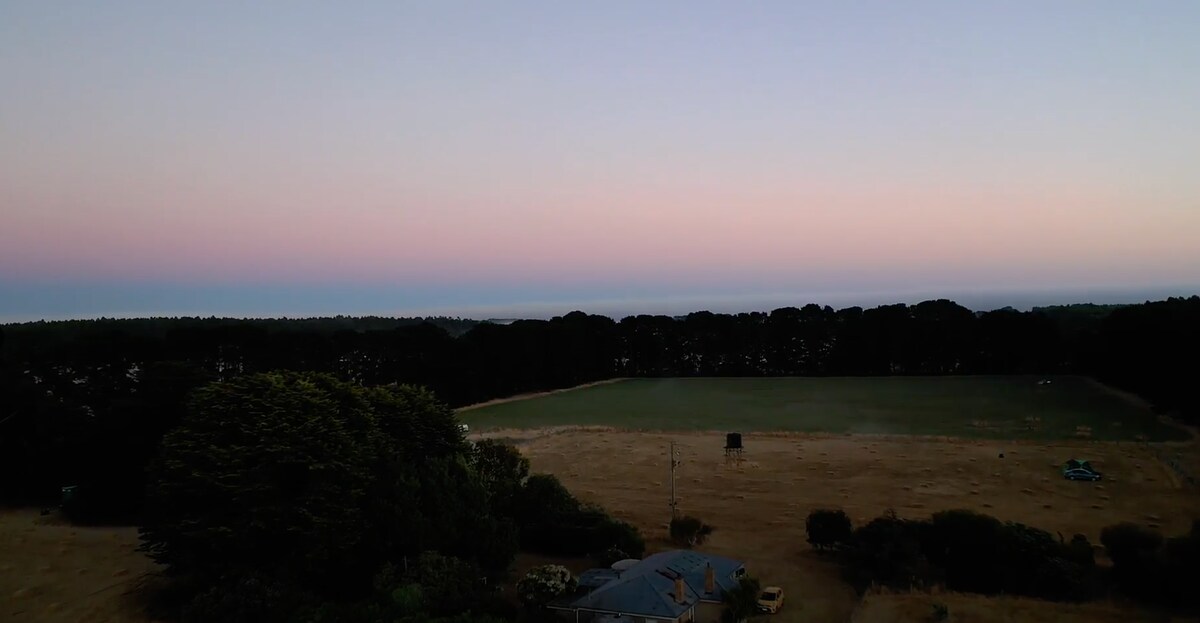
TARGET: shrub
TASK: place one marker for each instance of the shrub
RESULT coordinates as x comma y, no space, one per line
619,535
828,528
966,545
495,605
542,584
407,599
689,531
502,471
1153,570
1028,561
610,556
1080,551
554,522
543,495
244,599
741,601
447,585
1180,560
887,551
1127,543
970,552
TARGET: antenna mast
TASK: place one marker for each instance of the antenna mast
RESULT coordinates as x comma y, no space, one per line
674,464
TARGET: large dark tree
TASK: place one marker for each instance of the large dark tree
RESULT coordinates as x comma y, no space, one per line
266,473
317,483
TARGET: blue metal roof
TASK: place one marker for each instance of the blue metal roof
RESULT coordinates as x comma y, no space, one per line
595,578
648,589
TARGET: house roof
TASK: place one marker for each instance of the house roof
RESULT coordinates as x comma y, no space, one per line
648,588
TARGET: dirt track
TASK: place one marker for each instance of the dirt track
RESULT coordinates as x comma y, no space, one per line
759,506
498,401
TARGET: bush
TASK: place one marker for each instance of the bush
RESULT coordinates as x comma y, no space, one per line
888,551
967,546
609,556
495,605
406,600
554,522
741,601
1080,551
970,552
502,471
244,599
447,585
541,496
689,531
542,584
1180,573
1127,544
1153,570
828,528
613,533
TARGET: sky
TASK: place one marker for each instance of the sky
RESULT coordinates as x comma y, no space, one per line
529,158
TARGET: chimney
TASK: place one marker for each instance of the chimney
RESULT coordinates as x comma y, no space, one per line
679,596
710,579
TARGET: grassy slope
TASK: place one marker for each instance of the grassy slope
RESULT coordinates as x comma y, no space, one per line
985,407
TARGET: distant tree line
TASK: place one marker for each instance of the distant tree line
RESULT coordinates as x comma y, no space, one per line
87,402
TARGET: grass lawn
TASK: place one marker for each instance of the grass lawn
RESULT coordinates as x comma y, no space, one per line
998,407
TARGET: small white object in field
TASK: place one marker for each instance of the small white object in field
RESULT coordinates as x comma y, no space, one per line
463,427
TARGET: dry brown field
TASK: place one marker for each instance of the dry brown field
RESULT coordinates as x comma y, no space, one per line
55,573
759,505
888,608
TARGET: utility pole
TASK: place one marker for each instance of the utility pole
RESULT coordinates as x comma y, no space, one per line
674,464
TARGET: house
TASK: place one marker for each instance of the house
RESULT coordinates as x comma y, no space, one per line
678,586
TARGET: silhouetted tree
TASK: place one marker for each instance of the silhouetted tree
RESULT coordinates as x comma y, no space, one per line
828,528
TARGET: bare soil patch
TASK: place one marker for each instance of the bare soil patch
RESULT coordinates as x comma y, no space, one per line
759,505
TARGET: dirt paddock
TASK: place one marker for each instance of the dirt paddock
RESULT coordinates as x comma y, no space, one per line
759,505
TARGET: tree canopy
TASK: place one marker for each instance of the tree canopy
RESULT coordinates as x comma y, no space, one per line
299,476
285,490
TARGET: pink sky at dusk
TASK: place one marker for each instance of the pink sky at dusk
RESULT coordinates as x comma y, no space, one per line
685,148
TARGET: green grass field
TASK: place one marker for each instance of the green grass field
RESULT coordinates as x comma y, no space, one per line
1001,407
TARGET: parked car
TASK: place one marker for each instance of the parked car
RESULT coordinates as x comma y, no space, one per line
1081,474
1080,470
771,599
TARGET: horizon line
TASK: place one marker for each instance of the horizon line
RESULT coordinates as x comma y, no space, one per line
498,312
